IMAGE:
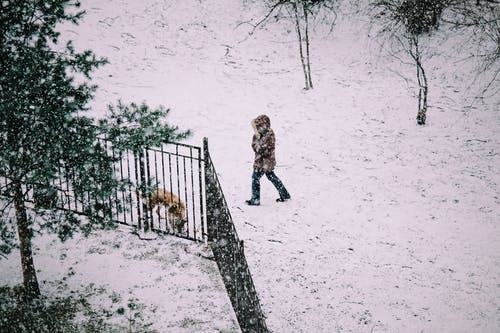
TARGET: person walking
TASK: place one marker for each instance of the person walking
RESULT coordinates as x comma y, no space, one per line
263,144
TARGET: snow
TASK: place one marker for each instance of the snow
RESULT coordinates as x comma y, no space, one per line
392,227
174,281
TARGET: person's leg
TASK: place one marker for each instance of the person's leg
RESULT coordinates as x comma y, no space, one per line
255,200
284,195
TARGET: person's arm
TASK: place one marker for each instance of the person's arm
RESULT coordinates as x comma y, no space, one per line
265,145
255,131
255,144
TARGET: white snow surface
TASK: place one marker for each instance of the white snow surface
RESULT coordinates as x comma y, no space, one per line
392,227
172,281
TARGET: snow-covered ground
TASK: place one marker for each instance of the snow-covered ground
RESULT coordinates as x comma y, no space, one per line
174,283
392,227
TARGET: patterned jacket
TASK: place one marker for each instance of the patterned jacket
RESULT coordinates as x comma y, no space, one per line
263,144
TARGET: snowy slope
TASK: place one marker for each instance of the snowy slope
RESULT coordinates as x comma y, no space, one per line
170,280
391,227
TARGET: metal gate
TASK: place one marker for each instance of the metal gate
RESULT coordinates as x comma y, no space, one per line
173,168
167,176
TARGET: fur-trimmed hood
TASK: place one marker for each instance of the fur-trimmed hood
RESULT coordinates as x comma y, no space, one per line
262,123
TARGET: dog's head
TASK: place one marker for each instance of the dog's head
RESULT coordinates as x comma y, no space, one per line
180,225
176,210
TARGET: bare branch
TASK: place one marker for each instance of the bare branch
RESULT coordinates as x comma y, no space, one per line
490,84
266,17
7,205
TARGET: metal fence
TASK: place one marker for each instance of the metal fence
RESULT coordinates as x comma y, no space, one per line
174,169
229,254
184,172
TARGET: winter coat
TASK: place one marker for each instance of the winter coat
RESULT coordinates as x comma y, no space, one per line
263,144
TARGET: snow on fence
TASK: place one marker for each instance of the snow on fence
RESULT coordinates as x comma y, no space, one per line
229,254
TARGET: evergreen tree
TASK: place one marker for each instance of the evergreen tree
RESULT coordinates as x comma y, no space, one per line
44,136
131,127
50,151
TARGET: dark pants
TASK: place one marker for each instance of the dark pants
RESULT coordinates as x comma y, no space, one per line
273,179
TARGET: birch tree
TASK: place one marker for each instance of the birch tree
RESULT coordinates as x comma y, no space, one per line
408,23
300,13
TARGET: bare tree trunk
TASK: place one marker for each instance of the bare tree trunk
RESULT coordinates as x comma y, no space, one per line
304,6
31,288
299,36
422,112
423,88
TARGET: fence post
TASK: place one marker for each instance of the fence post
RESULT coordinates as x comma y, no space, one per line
145,191
209,192
200,179
138,193
240,287
229,254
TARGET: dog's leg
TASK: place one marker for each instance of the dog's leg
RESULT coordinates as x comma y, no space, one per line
158,211
170,222
179,227
179,224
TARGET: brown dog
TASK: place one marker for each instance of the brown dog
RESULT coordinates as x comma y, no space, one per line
176,209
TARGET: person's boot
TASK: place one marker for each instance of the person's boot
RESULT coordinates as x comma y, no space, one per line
283,198
253,202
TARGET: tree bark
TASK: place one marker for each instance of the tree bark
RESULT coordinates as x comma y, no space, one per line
306,19
422,81
299,36
422,111
30,281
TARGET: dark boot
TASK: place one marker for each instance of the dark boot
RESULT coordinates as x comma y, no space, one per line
284,195
255,201
252,202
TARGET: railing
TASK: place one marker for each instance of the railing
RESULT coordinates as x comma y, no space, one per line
229,254
173,167
181,170
177,169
